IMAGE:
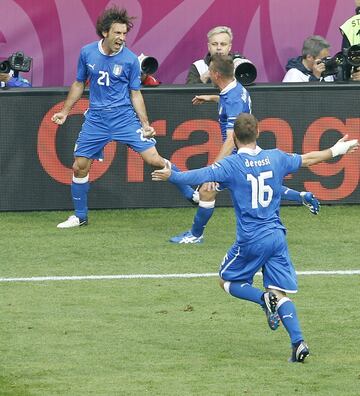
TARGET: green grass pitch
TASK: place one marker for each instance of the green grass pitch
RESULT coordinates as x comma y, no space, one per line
170,336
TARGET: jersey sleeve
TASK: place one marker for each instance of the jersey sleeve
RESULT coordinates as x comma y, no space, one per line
135,81
290,162
217,172
82,74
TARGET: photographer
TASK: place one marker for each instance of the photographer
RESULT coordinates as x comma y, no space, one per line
310,66
8,80
10,68
219,42
350,31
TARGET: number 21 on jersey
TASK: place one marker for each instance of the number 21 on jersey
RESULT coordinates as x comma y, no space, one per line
104,78
259,189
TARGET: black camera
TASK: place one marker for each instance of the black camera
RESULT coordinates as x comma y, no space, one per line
17,62
343,63
244,70
148,64
353,56
331,65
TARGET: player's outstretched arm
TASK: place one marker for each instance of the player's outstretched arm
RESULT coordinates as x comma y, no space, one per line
75,93
341,147
215,172
200,99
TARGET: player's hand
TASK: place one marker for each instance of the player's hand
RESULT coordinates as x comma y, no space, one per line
355,76
148,131
211,186
318,68
59,118
344,146
200,99
311,202
205,77
162,174
4,77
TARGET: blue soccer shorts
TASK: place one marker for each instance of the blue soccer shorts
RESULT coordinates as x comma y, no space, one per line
269,254
103,126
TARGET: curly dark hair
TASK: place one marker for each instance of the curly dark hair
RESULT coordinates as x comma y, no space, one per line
110,16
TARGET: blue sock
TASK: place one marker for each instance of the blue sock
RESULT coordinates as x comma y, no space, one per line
201,218
186,191
246,292
79,193
287,313
290,195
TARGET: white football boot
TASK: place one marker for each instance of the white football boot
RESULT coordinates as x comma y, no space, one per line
72,221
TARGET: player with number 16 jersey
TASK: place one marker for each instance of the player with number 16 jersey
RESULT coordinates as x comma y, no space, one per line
254,178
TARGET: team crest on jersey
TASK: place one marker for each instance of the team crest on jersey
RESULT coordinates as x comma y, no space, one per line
117,69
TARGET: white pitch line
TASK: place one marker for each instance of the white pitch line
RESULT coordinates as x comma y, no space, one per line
154,276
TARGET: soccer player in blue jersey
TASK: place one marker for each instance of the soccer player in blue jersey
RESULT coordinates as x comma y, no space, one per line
116,110
254,178
232,100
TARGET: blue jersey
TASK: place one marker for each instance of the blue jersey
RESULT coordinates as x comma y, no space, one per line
111,77
16,82
254,178
233,100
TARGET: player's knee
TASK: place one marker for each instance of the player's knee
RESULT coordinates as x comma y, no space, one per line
207,195
279,294
221,283
76,169
225,285
81,168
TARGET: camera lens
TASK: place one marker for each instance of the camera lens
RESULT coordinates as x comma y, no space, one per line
5,67
354,55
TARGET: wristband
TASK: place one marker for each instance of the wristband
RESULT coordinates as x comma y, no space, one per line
341,148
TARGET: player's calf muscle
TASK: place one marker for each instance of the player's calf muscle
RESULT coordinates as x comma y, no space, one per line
81,167
153,158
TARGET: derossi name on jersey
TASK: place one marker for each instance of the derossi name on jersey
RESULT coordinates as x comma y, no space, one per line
262,162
